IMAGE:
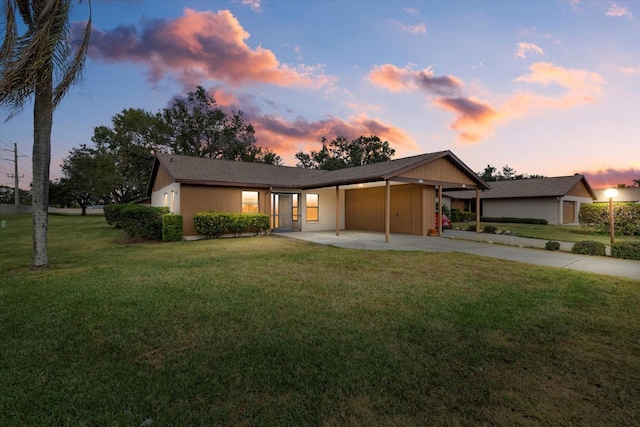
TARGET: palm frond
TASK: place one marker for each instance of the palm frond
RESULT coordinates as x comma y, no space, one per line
45,46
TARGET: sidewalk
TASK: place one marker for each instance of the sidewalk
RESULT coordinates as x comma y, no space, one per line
519,249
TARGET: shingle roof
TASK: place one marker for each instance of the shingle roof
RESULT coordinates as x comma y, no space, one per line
197,170
189,169
533,187
631,194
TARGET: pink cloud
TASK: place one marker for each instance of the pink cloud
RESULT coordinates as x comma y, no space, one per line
527,48
616,11
413,29
570,78
579,87
398,79
288,137
475,119
605,178
199,46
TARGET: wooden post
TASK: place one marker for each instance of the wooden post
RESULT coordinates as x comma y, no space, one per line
440,210
477,210
337,210
387,212
611,226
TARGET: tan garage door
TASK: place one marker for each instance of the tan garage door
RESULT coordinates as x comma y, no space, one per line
568,212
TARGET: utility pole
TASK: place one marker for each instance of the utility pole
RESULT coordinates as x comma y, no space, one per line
15,173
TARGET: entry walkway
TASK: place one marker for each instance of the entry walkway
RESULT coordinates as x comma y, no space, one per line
514,249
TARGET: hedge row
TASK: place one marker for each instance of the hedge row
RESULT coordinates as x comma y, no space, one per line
626,217
215,224
511,220
144,222
626,250
460,216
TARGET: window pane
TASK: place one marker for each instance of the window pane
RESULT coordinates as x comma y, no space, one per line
294,206
250,202
312,200
312,210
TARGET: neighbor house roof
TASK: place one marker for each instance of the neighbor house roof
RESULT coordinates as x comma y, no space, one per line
532,187
630,194
197,170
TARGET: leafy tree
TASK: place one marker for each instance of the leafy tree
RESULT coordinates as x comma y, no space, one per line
82,180
59,194
196,127
341,153
636,183
124,154
491,173
42,63
488,174
7,195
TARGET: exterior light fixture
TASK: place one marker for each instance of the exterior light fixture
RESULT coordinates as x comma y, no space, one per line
610,193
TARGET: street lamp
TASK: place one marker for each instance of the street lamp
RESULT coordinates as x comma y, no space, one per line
610,193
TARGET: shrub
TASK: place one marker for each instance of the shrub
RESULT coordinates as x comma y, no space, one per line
589,247
489,229
626,250
113,214
552,246
512,220
210,224
260,223
626,216
215,224
171,228
143,222
471,227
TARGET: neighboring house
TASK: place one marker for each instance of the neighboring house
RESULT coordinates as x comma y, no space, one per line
395,196
555,199
629,194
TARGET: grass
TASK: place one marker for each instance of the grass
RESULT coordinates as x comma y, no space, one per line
558,233
272,331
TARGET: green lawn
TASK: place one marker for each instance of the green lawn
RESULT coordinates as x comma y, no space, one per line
558,233
273,331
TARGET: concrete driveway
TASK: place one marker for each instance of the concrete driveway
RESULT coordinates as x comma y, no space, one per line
502,247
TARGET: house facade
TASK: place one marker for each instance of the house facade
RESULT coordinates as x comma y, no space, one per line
555,199
398,196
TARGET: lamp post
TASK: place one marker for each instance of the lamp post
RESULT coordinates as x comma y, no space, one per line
610,194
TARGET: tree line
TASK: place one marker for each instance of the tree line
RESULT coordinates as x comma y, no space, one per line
116,167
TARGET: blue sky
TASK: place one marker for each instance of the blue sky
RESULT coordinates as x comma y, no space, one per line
548,87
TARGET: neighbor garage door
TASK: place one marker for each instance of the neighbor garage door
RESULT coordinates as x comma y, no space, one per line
568,212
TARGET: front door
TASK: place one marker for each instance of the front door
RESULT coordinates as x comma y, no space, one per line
283,212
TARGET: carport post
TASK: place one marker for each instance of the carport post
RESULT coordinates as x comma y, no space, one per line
337,210
440,210
387,211
477,210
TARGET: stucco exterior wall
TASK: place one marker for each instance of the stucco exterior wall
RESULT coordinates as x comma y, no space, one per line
548,208
326,212
173,194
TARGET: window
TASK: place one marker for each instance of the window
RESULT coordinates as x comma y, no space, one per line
250,202
172,208
294,206
166,200
312,207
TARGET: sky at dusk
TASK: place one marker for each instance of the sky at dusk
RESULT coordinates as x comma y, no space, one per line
547,87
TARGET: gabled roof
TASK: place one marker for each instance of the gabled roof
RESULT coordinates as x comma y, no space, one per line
532,187
629,194
197,170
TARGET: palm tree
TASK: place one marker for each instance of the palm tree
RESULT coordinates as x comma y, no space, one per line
43,63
